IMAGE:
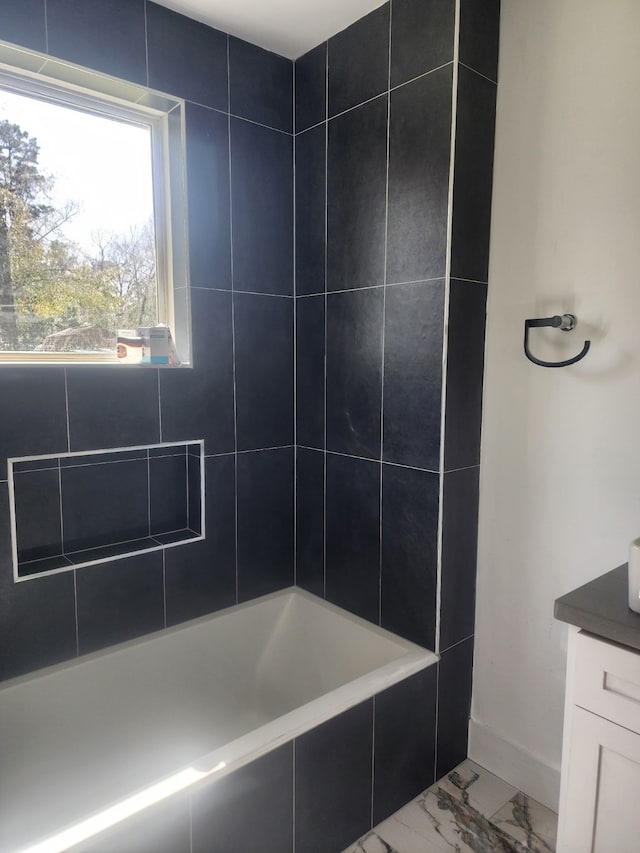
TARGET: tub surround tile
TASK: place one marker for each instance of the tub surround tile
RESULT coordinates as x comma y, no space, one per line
199,403
419,153
168,495
120,600
473,176
186,58
194,493
260,85
47,603
265,522
208,198
310,520
251,810
356,195
459,555
37,506
108,36
414,320
479,35
310,371
422,33
112,408
359,61
354,372
201,577
262,204
264,371
310,154
353,535
24,23
404,751
333,781
465,366
118,496
311,84
455,671
34,415
409,553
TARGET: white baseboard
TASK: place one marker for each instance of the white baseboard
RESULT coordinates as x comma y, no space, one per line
514,764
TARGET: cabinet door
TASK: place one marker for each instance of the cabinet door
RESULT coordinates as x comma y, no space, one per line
600,810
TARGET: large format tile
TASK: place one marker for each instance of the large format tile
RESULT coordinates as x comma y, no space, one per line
198,402
528,822
356,195
37,617
421,37
260,85
310,369
310,520
465,369
311,84
208,197
405,742
359,61
333,781
120,600
476,786
34,417
201,577
473,176
354,372
108,36
353,535
310,210
459,555
419,152
262,193
414,320
265,522
479,35
409,553
168,497
105,504
186,58
264,370
249,811
112,407
37,509
455,672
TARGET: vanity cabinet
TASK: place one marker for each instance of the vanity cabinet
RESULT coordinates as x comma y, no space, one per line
599,798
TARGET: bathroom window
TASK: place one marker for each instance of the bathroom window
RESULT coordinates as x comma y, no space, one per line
92,212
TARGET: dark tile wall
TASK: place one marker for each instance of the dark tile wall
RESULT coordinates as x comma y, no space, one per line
391,279
316,794
237,397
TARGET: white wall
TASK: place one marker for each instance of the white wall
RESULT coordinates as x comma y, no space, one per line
560,475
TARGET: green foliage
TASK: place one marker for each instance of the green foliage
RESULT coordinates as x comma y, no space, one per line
46,283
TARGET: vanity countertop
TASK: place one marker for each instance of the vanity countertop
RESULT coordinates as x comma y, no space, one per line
601,608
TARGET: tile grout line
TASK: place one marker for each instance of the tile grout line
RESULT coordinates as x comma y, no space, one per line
479,73
326,317
160,408
149,493
375,286
245,292
46,28
233,329
295,337
66,403
445,322
75,604
370,459
164,587
457,643
384,312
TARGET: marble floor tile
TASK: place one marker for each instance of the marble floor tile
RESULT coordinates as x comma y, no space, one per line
529,822
468,811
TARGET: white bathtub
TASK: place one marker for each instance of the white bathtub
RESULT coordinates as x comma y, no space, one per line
85,744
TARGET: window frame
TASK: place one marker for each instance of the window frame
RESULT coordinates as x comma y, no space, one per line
35,75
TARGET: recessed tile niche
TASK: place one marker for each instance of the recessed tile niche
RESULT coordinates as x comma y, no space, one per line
76,509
